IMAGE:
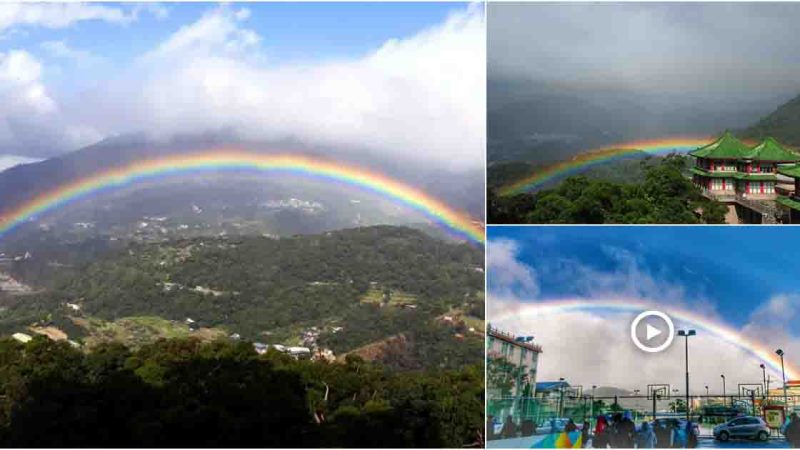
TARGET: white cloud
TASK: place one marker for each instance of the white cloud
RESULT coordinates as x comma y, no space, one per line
60,49
219,31
30,119
58,15
509,277
772,324
592,349
418,98
9,161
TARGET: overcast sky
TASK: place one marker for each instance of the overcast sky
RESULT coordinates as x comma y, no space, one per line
710,49
726,276
407,80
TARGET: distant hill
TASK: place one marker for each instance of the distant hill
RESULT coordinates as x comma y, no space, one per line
629,169
783,124
340,290
462,190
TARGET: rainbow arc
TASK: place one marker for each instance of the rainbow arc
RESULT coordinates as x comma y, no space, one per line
593,158
757,349
457,223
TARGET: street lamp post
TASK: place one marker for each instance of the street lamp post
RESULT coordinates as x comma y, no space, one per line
779,352
561,397
591,407
724,399
686,334
764,378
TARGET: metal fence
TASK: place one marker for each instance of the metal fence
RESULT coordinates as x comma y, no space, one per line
537,412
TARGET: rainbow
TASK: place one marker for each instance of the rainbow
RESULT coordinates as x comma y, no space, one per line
592,158
757,349
226,159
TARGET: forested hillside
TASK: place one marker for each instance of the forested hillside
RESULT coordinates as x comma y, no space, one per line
351,287
782,124
181,393
665,195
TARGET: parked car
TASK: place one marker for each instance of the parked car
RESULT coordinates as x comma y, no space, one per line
747,427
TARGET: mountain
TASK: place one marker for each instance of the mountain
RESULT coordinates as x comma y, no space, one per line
9,161
782,124
462,190
340,290
543,122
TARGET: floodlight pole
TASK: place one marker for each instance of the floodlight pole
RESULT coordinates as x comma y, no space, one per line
724,399
686,334
779,352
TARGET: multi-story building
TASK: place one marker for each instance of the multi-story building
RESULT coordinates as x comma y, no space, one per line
517,359
512,363
729,170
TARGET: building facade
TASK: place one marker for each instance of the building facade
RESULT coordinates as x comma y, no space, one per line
518,358
728,169
790,200
512,363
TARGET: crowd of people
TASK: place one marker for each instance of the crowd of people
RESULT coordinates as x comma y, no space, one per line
619,431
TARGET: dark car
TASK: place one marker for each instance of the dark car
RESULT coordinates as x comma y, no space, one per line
748,427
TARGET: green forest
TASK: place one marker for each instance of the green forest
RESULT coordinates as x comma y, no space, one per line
269,290
183,393
664,195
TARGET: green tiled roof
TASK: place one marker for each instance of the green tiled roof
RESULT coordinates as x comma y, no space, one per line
790,171
788,202
726,147
771,150
736,175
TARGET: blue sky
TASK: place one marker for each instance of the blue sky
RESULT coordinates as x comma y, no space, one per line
735,268
741,277
291,31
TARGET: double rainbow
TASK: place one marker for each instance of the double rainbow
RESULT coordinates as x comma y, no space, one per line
592,158
756,349
229,159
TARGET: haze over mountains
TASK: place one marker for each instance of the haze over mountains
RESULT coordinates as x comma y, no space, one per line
601,74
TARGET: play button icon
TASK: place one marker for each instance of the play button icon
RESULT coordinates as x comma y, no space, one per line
652,331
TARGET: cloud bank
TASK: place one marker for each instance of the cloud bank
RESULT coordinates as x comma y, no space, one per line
593,347
417,98
682,49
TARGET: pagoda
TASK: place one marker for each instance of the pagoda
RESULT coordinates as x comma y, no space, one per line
729,170
791,201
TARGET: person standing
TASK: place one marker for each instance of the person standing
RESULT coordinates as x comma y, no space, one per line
663,435
600,438
626,431
570,427
585,433
793,431
509,429
646,437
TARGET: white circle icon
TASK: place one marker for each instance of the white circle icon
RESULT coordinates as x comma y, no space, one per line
651,331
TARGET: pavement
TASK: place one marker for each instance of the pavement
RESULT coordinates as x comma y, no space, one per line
703,442
741,443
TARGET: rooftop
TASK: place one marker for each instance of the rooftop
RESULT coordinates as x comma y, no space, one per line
545,386
510,338
771,150
726,147
730,147
790,171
